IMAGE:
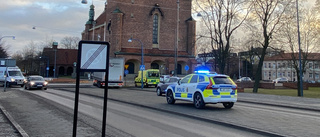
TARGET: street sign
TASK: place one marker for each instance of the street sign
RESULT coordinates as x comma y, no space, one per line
126,72
186,67
126,66
47,68
142,67
93,56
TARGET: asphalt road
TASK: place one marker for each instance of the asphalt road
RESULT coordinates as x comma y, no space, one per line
136,112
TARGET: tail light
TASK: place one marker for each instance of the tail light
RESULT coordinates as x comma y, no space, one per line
210,84
234,88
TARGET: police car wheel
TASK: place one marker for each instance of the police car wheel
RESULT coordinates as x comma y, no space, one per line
228,105
159,92
170,99
198,101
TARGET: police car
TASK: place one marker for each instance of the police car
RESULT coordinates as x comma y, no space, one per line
202,88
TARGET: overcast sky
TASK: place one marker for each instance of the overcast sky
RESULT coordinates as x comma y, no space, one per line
53,19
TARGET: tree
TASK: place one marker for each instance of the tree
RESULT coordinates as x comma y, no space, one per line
309,37
3,51
269,14
69,42
221,19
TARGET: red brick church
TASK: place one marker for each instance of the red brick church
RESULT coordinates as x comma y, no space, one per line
152,24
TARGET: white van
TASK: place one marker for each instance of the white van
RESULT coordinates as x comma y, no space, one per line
14,76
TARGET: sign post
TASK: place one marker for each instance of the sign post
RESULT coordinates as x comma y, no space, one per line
93,56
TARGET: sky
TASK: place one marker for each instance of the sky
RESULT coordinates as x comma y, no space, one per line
52,19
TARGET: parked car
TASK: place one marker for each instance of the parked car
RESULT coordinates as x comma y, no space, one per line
164,77
244,79
280,80
35,82
162,86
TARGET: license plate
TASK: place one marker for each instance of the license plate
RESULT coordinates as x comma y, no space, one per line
225,90
39,85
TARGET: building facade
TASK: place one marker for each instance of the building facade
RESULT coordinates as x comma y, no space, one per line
152,25
282,66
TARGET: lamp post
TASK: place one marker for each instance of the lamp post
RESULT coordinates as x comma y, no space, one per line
47,64
300,67
13,37
177,40
239,65
130,40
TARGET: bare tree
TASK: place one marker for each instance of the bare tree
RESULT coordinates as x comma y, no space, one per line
221,19
310,37
70,42
269,14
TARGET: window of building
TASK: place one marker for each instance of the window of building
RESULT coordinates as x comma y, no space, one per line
316,75
316,66
294,74
310,75
289,74
265,65
269,74
284,65
274,74
279,65
284,74
265,74
155,30
310,65
269,65
289,65
274,65
279,74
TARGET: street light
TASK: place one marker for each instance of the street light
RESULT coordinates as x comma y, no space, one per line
177,40
13,37
299,43
47,64
130,40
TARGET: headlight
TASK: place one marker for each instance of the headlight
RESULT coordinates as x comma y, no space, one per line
12,79
31,83
45,83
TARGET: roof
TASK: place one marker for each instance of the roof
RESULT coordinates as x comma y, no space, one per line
63,56
288,56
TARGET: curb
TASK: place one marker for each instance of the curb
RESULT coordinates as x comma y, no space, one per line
13,122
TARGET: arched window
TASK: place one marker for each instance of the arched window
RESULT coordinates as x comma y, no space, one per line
155,31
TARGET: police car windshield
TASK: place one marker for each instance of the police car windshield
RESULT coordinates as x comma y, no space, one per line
221,80
15,73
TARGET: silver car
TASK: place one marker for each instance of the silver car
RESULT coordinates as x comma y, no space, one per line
162,86
35,82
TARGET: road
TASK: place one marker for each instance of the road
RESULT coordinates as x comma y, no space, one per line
135,112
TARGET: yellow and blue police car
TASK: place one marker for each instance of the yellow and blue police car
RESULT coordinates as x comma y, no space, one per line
202,88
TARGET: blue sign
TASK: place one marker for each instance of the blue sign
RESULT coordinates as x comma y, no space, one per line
126,72
142,67
186,67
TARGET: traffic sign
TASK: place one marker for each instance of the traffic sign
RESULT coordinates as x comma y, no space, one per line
126,72
126,66
186,67
142,67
